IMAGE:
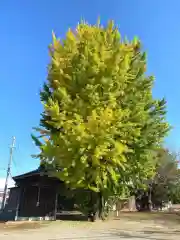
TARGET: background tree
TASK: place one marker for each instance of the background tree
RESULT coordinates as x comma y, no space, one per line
166,179
174,190
164,186
100,118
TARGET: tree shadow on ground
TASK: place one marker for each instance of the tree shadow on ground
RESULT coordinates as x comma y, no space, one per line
71,217
150,216
21,226
118,235
177,232
147,234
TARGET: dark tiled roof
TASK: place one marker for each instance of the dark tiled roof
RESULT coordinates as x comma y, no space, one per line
38,171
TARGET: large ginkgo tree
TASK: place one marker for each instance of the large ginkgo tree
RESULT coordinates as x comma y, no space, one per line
100,123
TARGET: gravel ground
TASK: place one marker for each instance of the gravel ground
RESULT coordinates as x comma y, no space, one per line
132,226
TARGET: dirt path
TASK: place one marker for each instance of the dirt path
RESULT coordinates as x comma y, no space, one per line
128,227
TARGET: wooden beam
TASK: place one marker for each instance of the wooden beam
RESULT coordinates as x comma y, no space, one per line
56,203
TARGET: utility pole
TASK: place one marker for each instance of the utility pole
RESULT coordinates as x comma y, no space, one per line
8,173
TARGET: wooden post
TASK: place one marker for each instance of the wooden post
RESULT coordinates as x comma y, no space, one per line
38,196
56,202
18,203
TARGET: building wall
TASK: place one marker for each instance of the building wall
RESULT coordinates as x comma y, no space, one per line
37,201
1,196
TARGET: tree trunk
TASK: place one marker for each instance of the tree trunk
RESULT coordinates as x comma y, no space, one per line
150,199
92,208
132,204
101,206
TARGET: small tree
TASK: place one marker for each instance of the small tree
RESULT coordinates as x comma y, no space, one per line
99,114
164,185
166,179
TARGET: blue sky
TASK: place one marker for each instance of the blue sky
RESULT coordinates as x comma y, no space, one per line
25,28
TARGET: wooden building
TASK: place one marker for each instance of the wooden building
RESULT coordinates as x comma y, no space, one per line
36,196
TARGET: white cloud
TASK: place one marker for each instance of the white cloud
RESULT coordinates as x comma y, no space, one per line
2,183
